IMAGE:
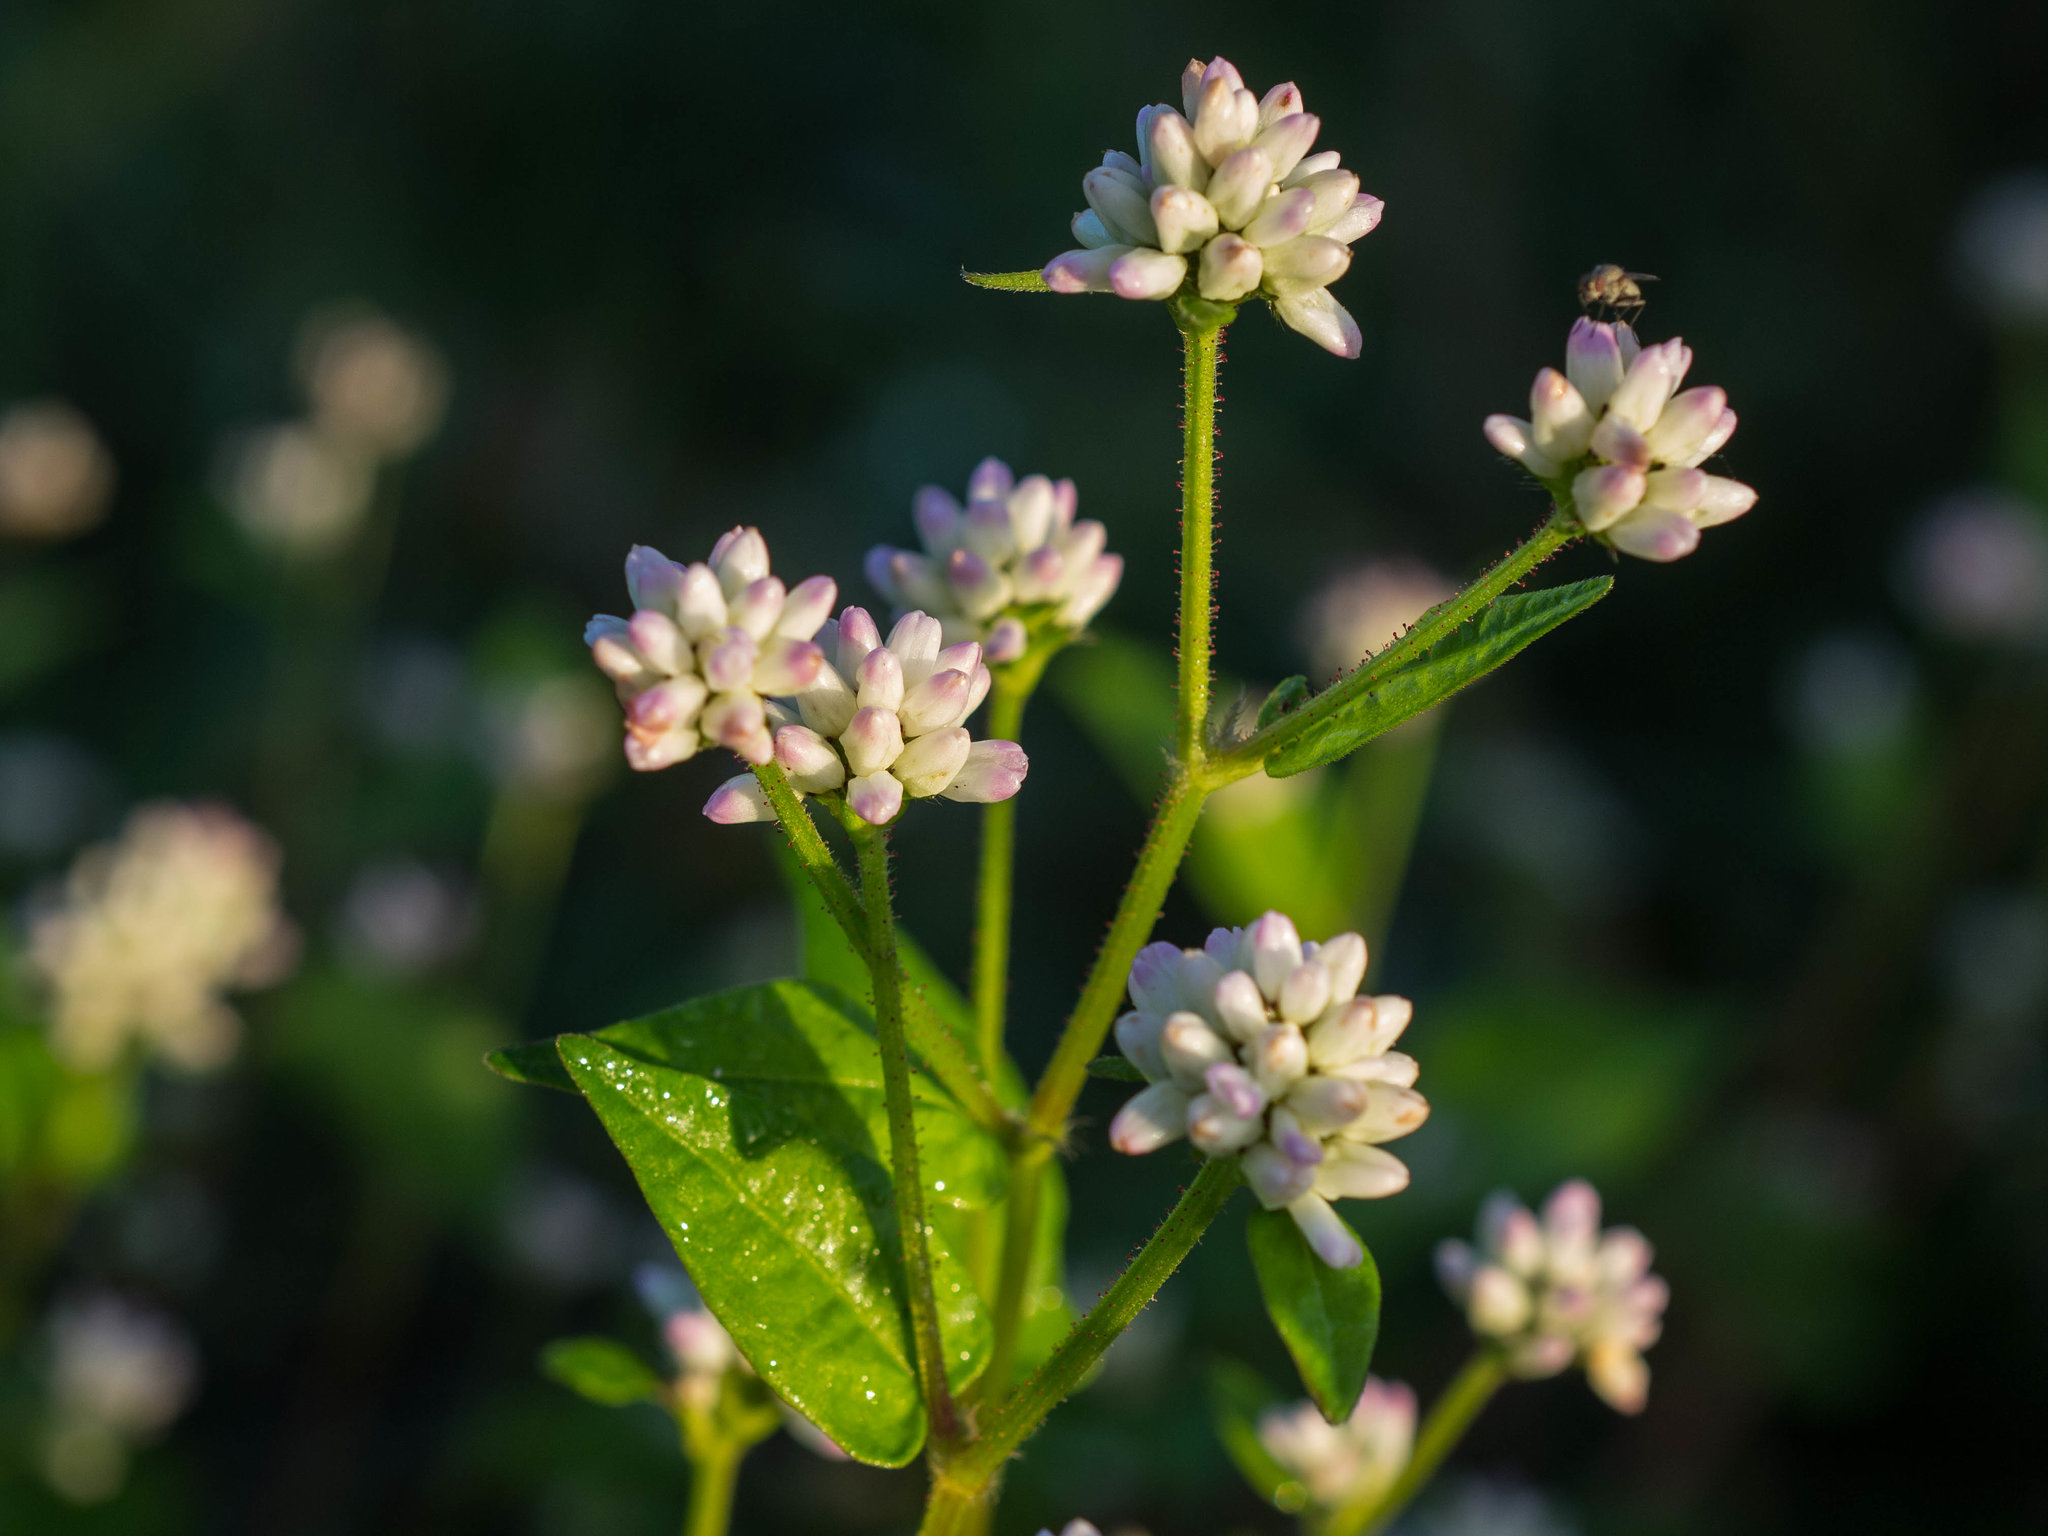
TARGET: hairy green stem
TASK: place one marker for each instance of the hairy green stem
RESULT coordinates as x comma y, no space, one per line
872,844
942,1054
1558,530
1449,1417
1020,1239
1201,350
959,1482
714,1472
1165,843
1013,686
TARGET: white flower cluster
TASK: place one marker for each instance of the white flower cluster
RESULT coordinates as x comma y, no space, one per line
1230,197
1259,1044
1015,545
706,645
1350,1462
119,1376
1559,1289
696,1341
147,932
1073,1528
1617,431
882,721
56,477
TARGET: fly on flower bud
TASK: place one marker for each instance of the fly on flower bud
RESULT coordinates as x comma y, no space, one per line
1224,200
1258,1046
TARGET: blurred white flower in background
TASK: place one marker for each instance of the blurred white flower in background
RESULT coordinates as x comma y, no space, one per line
1350,1462
1850,693
416,694
402,917
55,475
563,1230
373,386
1485,1506
1360,612
50,789
556,737
2001,249
375,393
1975,567
120,1374
697,1343
148,931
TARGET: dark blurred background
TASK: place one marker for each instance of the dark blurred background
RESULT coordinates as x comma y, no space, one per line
1732,896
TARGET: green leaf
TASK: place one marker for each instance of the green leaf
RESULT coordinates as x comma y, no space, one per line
535,1063
1328,1318
1115,1069
1461,657
1194,313
755,1124
1009,282
602,1370
1238,1396
1287,696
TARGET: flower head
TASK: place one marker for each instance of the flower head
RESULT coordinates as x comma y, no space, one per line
1349,1462
1259,1045
1558,1290
1616,435
1225,201
706,645
55,475
149,931
882,722
1014,552
696,1341
119,1376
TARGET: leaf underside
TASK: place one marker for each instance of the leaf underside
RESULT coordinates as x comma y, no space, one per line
1329,1319
1462,657
755,1123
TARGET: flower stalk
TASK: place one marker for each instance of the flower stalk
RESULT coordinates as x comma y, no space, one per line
995,894
872,844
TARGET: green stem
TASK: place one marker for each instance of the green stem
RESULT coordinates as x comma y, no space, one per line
1449,1417
872,843
1013,687
1558,530
714,1472
942,1054
1020,1240
1167,840
1201,350
960,1481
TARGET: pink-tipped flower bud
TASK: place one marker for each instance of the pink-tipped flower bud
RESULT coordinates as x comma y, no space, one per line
873,740
994,770
875,798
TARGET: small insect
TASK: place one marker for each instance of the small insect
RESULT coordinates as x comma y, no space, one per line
1610,293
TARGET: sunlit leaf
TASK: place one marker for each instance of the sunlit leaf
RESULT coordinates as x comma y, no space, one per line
602,1370
754,1121
1460,658
1328,1318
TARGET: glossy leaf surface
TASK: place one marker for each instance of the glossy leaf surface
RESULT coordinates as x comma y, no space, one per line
1459,659
754,1121
1329,1319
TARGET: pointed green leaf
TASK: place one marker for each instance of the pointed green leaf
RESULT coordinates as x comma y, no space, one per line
534,1063
602,1370
755,1124
1238,1397
1289,695
1328,1318
1009,282
1115,1069
1460,658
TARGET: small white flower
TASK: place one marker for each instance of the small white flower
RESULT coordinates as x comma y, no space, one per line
296,490
696,1341
1616,435
1349,1462
119,1376
148,932
706,645
1558,1290
1013,552
372,384
1258,1044
55,475
882,722
1976,568
1225,201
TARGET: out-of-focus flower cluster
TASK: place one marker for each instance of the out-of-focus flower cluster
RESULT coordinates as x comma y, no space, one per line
55,475
1258,1044
1615,434
1975,568
1558,1289
882,722
375,393
706,645
697,1343
1338,1464
1360,612
147,932
119,1376
1013,553
2001,250
1227,198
